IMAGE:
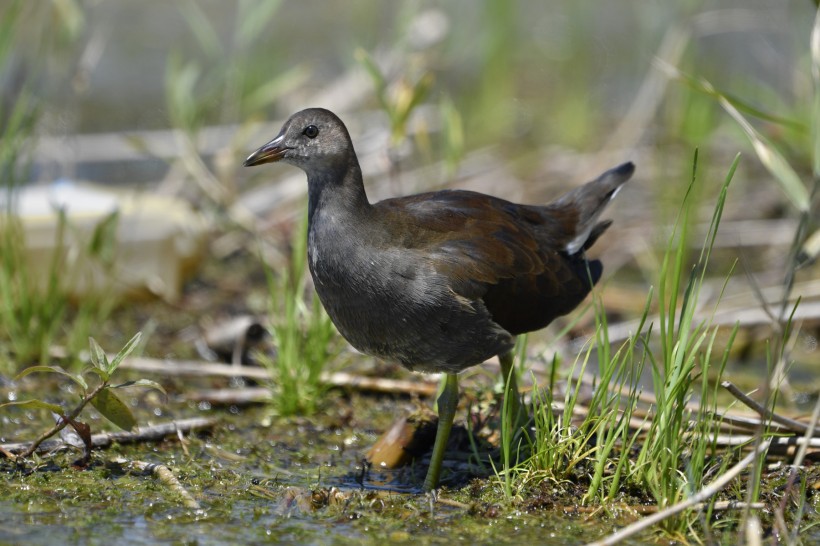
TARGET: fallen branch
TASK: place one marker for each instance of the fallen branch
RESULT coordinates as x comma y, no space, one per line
339,379
151,433
699,497
720,506
779,444
729,420
231,397
791,424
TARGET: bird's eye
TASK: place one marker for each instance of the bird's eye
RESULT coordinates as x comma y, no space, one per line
311,131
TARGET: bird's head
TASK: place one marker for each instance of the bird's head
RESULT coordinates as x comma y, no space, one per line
313,140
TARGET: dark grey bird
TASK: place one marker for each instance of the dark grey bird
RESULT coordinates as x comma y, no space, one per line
438,281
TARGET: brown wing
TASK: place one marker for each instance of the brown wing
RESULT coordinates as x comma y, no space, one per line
505,254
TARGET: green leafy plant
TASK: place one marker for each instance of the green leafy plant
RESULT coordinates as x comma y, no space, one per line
37,312
101,395
398,98
513,421
613,404
675,444
686,344
302,333
31,314
561,443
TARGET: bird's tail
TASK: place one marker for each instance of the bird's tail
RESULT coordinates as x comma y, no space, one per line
589,201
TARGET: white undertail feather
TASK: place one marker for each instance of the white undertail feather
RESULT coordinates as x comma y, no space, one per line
580,240
615,179
576,244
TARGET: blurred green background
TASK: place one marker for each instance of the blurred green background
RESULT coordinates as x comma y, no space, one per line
522,73
521,99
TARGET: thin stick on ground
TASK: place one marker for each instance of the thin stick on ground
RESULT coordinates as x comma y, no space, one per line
791,424
143,434
699,497
199,368
720,506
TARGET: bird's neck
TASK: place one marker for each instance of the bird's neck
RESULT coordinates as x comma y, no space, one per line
337,189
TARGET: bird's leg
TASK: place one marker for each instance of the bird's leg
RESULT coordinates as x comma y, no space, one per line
447,403
517,417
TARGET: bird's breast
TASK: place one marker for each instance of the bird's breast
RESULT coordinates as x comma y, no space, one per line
391,303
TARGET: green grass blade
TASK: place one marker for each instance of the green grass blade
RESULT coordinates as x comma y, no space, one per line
124,352
788,180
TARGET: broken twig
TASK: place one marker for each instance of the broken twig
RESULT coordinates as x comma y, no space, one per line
143,434
791,424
